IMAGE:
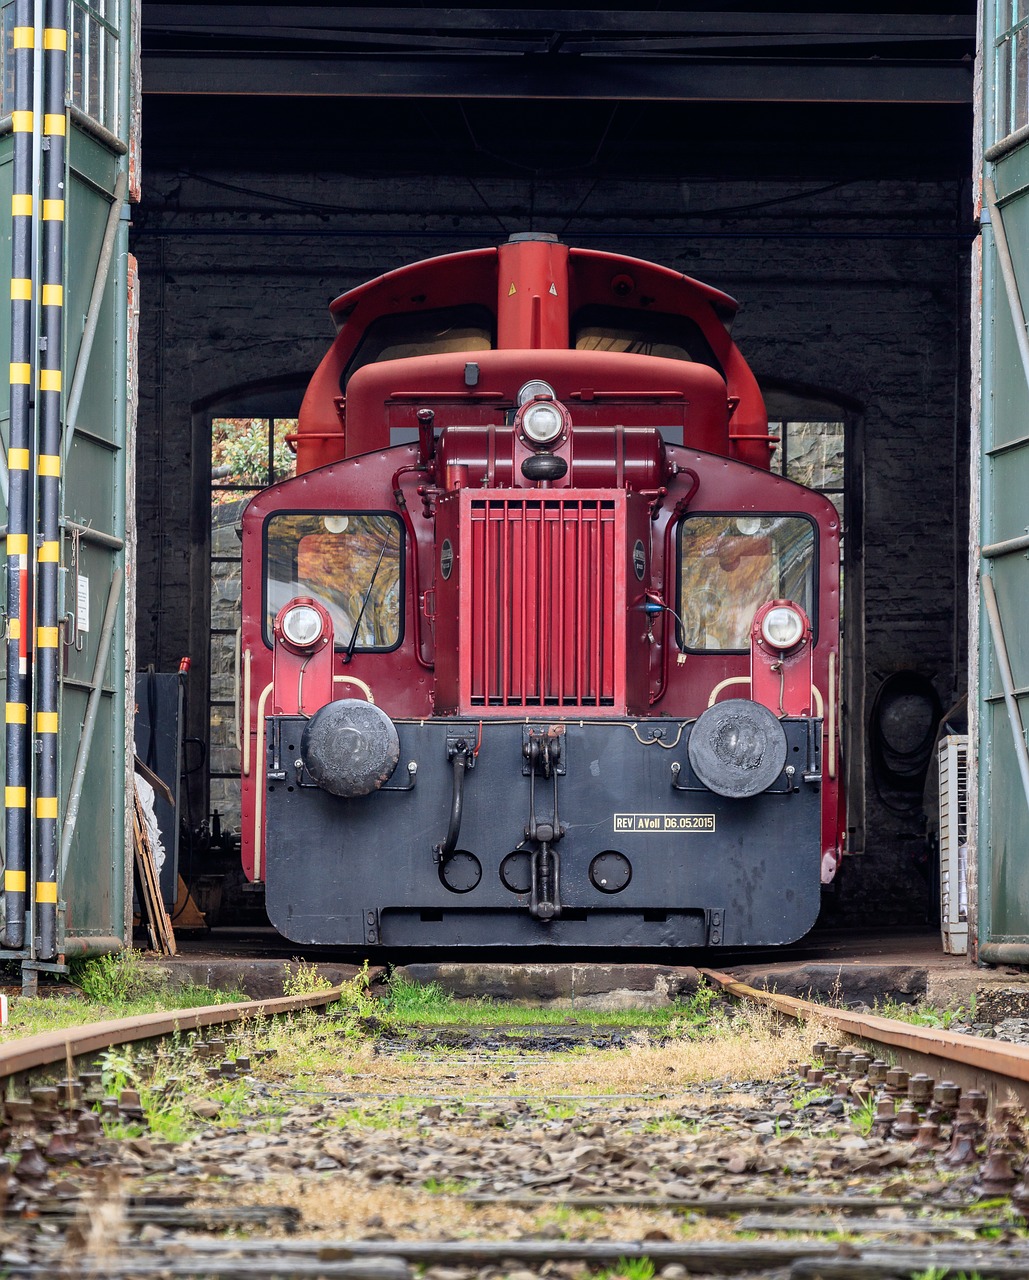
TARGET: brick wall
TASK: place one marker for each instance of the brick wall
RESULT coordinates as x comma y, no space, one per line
856,291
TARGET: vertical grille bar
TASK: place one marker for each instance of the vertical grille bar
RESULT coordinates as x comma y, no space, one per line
606,617
542,586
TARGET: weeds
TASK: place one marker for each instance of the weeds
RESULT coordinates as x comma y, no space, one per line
945,1273
120,985
863,1116
118,1071
429,1004
301,978
629,1269
446,1186
120,978
926,1015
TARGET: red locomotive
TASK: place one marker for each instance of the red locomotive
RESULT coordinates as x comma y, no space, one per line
536,649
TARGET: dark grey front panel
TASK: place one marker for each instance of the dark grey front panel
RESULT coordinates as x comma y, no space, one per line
703,870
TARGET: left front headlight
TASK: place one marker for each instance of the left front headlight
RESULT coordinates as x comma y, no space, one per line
302,625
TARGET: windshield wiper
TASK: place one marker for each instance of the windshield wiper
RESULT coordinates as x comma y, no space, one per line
348,656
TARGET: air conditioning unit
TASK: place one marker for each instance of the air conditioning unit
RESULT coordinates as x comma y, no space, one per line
954,843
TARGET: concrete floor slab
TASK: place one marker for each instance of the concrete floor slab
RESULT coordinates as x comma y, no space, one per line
857,966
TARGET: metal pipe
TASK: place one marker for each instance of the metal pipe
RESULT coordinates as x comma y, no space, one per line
103,652
1016,953
48,479
1000,149
98,945
1004,666
1006,548
88,125
96,298
16,766
831,691
97,536
1007,272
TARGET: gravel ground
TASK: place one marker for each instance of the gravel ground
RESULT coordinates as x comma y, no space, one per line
678,1149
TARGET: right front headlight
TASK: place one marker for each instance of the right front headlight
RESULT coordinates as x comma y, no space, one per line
782,627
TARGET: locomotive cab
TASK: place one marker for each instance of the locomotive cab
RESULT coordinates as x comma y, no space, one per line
539,652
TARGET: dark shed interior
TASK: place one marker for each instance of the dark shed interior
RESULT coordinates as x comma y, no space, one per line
815,164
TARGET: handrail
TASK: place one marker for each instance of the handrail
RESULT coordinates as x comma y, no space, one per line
262,702
365,689
246,713
816,693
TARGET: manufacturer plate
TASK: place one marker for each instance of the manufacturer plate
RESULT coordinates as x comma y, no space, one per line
664,823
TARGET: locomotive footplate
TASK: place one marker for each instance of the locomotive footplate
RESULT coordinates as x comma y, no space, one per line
546,832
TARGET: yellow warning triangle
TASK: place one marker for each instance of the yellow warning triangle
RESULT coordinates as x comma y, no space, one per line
512,291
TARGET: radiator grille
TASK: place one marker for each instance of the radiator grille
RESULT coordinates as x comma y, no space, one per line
542,602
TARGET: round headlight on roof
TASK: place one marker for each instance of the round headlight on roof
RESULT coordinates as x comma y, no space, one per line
782,627
302,625
533,388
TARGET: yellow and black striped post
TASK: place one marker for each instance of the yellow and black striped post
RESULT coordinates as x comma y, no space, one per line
48,476
19,454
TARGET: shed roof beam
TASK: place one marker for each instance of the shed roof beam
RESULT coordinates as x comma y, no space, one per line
528,76
628,21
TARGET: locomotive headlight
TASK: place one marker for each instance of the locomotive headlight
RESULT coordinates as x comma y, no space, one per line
782,627
301,625
537,387
542,422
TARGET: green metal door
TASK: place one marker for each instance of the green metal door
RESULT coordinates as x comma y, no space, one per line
93,380
1003,826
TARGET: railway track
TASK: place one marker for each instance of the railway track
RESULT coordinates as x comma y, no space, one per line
542,1167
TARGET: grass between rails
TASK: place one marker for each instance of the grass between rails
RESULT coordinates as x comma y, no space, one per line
337,1051
429,1005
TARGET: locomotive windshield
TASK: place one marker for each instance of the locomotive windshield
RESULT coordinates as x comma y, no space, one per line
349,562
423,333
616,329
730,565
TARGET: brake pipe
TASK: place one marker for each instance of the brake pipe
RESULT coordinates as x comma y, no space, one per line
16,768
48,478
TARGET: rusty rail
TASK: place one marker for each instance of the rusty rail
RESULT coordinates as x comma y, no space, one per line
994,1066
55,1047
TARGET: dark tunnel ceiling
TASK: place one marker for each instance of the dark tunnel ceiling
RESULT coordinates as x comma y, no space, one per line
587,90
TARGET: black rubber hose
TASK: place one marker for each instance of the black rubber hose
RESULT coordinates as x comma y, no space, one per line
444,850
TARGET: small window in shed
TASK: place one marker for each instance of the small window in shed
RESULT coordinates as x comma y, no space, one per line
1011,50
811,453
93,60
247,455
7,96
